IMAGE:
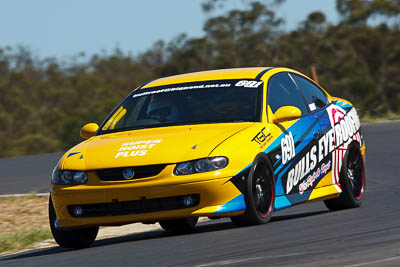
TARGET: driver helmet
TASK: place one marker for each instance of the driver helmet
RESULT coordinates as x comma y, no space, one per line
162,109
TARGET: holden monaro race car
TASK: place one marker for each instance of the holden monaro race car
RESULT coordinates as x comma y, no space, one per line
238,143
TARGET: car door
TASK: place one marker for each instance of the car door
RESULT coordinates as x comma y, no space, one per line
293,153
317,102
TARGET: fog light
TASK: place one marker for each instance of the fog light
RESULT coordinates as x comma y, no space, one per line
78,211
188,201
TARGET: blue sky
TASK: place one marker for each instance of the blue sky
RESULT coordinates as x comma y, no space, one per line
54,28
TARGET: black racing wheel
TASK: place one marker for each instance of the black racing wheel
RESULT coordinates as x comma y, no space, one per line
259,194
351,179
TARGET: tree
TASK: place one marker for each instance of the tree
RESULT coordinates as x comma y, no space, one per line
44,103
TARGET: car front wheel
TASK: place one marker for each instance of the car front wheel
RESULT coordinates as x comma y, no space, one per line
76,239
179,225
259,195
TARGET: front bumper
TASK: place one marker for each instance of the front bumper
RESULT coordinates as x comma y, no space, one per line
217,197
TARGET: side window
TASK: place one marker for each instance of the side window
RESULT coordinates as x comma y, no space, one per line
315,97
282,91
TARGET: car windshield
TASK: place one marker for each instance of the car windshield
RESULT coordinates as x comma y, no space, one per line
187,103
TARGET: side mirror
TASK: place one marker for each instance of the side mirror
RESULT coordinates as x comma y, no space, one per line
89,129
286,113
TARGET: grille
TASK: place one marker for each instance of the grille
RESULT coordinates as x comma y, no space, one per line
133,207
115,174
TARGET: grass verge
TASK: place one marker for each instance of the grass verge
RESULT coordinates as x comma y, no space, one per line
23,222
383,117
23,238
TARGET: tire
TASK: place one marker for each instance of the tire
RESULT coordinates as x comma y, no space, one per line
179,225
352,181
76,239
259,194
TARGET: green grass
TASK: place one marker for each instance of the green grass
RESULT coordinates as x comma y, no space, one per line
23,222
383,117
23,239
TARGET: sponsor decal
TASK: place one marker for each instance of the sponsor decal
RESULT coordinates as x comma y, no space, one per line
288,148
261,138
301,169
309,182
342,132
137,148
248,84
346,128
183,88
197,85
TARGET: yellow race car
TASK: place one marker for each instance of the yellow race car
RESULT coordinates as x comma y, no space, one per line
236,143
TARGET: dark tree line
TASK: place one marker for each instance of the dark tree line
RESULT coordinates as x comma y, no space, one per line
44,102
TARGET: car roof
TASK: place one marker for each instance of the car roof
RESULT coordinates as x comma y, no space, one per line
237,73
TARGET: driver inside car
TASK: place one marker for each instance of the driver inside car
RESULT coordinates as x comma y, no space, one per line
162,109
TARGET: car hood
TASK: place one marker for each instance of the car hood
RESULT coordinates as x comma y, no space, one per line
149,146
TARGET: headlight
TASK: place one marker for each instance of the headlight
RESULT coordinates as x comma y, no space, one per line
69,177
201,165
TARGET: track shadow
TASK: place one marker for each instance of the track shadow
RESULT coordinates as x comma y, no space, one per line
297,216
204,227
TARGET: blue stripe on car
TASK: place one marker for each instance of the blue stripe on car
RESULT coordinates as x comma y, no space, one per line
73,153
262,73
236,204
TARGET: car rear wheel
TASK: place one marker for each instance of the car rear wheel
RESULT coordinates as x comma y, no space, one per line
179,225
79,238
259,196
352,181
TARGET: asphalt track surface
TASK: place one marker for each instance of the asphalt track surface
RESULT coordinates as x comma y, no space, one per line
305,235
27,174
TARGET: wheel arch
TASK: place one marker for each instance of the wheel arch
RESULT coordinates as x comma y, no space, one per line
255,213
240,179
265,159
